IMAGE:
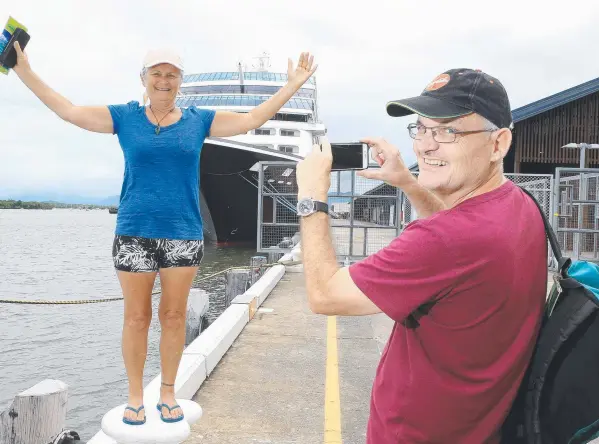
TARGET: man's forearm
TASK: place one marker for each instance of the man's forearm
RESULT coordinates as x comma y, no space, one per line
424,201
318,256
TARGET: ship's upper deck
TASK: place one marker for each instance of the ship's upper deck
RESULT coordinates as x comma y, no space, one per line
264,76
239,101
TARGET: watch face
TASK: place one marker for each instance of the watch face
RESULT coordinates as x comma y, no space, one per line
305,206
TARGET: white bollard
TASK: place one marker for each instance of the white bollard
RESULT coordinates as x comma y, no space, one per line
154,431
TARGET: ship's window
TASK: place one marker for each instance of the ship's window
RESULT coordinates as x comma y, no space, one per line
289,133
289,148
268,147
264,132
290,117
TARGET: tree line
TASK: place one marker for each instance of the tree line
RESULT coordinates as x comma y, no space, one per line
19,204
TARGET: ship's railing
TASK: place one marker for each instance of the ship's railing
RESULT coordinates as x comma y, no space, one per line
234,75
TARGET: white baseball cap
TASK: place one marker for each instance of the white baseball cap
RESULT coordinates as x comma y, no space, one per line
162,55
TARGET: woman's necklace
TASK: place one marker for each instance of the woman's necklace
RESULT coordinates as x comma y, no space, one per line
157,131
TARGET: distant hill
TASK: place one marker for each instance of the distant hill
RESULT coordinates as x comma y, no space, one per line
62,198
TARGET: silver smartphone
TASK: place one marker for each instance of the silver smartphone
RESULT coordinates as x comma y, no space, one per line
349,156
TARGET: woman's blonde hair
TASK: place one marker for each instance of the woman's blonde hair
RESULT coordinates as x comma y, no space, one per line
143,73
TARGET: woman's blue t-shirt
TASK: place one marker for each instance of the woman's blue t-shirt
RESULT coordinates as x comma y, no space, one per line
160,196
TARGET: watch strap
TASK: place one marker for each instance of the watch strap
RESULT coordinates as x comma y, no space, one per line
321,206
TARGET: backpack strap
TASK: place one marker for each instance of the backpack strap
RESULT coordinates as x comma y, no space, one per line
563,263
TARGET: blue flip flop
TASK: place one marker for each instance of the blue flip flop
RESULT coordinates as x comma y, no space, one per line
176,419
134,422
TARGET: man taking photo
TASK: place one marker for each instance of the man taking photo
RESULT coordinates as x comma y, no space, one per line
465,284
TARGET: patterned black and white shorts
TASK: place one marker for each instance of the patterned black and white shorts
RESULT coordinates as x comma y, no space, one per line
140,254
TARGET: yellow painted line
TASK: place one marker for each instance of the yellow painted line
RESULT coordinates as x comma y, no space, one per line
332,406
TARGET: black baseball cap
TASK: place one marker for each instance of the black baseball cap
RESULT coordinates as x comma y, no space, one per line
456,93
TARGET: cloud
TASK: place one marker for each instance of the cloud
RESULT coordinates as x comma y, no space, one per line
368,54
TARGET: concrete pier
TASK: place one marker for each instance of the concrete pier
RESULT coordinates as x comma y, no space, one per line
270,371
271,385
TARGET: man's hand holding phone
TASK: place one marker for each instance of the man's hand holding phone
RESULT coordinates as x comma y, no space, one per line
392,167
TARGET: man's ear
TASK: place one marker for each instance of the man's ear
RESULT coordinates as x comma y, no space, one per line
502,140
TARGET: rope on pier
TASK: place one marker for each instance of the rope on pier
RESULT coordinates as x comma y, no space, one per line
97,301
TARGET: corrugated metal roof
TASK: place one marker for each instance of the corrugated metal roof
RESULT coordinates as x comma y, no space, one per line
555,100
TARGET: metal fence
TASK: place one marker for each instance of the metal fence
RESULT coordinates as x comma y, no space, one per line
277,199
540,186
576,217
364,213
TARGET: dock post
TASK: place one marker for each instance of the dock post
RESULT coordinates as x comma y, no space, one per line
256,268
237,282
197,307
37,415
274,256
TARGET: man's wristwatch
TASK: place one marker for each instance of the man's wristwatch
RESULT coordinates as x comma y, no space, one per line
308,206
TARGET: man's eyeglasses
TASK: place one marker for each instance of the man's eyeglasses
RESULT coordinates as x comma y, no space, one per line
441,134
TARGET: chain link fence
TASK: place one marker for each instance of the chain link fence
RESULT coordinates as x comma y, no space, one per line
278,222
364,214
576,218
540,186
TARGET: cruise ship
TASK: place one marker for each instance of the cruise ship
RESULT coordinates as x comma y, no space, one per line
228,166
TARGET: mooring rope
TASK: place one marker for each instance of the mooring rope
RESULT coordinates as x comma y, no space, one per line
97,301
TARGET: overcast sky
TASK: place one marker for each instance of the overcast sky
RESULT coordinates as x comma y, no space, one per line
368,54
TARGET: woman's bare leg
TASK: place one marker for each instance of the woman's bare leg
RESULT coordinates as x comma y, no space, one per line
137,293
175,283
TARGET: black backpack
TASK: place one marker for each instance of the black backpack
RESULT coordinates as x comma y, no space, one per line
558,399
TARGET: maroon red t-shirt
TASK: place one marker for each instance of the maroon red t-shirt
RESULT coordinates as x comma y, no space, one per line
454,377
